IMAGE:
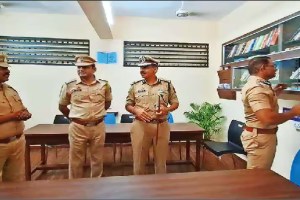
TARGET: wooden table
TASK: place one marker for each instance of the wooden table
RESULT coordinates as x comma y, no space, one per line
228,184
55,134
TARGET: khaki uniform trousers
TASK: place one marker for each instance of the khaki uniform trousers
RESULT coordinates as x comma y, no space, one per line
260,148
143,135
12,160
79,137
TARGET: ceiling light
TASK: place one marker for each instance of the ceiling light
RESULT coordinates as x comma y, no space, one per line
108,12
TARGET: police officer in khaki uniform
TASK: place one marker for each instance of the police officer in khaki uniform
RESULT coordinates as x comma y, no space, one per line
261,113
150,100
12,141
89,98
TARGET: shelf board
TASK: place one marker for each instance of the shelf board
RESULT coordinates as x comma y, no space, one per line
292,43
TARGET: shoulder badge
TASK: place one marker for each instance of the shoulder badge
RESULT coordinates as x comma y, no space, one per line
102,80
71,81
164,80
135,82
11,87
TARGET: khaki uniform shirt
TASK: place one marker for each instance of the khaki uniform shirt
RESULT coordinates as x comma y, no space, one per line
145,96
10,102
87,101
257,95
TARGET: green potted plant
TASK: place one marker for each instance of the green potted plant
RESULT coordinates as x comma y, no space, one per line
207,116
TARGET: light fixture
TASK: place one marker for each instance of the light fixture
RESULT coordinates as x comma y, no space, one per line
1,6
108,12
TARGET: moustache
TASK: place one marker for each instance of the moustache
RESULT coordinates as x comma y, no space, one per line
7,73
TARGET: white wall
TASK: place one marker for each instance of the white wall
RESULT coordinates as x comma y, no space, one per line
248,17
39,85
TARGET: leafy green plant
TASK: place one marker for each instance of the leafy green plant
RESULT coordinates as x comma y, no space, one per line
207,116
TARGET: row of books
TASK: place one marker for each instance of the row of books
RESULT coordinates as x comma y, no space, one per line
254,44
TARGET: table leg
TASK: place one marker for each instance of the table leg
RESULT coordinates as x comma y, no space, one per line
187,150
43,156
27,163
198,145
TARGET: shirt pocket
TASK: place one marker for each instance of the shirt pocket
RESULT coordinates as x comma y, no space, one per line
97,97
77,97
141,98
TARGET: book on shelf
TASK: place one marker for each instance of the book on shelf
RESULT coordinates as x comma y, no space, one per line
270,37
255,44
274,37
263,45
258,43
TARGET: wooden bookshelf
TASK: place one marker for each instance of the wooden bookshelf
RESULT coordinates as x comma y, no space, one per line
279,40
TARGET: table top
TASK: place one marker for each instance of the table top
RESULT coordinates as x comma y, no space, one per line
227,184
50,129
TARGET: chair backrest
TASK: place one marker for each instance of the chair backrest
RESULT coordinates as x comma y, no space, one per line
61,119
127,118
234,132
295,170
170,118
110,118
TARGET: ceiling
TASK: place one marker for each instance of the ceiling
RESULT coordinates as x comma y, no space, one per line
94,10
214,10
208,10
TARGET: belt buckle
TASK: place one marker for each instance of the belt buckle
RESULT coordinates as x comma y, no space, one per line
90,124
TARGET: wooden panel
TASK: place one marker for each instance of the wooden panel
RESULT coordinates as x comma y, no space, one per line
227,94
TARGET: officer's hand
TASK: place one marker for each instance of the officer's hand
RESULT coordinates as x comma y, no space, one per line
279,88
25,115
16,115
142,114
163,111
296,110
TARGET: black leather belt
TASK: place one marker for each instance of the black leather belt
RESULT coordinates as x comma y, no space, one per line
10,139
87,123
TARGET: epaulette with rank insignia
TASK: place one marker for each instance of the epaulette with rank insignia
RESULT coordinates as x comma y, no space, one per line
102,80
135,82
168,81
71,81
12,88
